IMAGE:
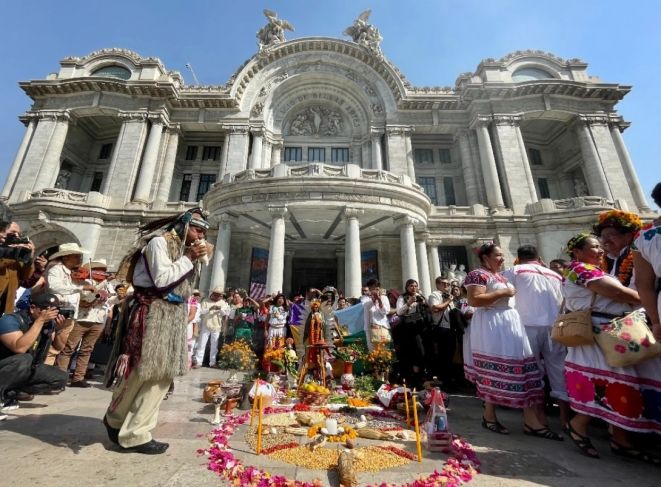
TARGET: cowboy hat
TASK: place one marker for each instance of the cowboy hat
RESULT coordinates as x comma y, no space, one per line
97,264
217,290
68,249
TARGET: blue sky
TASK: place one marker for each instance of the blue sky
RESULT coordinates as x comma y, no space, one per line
432,42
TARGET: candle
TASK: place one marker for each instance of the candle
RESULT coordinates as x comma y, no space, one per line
331,426
417,427
258,399
254,402
406,404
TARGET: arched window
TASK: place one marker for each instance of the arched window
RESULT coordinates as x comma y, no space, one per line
113,71
530,74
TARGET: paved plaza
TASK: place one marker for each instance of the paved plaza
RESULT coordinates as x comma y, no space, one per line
60,441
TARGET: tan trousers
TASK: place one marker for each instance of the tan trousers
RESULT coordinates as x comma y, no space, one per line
54,352
134,409
89,333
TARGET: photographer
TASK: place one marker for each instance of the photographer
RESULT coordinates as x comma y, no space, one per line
375,314
24,340
440,336
16,264
413,313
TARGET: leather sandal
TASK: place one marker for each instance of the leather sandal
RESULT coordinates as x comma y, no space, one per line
543,432
582,442
634,453
494,426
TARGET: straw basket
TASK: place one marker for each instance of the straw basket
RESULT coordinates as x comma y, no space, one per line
313,398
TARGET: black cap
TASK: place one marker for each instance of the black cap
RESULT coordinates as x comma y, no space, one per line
45,300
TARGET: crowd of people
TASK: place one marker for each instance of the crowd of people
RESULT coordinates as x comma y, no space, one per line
491,328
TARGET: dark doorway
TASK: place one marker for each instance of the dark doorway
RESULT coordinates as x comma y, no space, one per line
311,272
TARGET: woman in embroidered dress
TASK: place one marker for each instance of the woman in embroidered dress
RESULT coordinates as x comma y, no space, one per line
624,397
244,319
505,369
278,313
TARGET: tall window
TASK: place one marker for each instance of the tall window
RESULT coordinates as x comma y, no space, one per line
191,153
210,153
340,154
184,193
206,180
535,157
424,156
448,186
429,187
293,154
316,154
104,153
97,179
444,156
543,184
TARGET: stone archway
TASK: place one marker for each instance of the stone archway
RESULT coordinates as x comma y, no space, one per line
48,235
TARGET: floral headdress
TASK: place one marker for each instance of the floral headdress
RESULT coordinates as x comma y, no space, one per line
577,241
622,220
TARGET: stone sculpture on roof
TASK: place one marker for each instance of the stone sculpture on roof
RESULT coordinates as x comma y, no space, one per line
272,33
365,34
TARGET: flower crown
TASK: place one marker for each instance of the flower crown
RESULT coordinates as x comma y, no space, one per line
618,219
577,241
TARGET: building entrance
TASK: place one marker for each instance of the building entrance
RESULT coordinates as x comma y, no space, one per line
311,272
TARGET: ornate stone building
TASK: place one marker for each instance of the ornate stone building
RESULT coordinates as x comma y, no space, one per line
319,162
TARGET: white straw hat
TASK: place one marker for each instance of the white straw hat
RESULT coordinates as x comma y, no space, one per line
68,249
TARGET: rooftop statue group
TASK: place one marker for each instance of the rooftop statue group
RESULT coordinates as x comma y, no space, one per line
361,32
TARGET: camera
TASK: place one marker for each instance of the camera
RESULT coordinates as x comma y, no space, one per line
419,299
67,312
15,239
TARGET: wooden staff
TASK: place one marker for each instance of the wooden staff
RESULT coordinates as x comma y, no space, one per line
406,404
254,402
259,424
417,427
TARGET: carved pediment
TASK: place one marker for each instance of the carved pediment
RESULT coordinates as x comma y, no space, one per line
316,120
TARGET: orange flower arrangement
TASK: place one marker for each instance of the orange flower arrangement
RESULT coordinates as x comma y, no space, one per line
618,219
625,270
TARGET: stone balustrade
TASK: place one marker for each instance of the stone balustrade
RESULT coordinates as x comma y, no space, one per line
92,198
576,203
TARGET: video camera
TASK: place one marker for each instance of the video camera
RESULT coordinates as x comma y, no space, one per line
15,239
19,254
67,312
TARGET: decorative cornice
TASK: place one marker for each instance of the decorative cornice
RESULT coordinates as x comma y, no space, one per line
406,220
133,116
278,211
506,119
54,115
349,213
234,129
593,118
402,130
480,120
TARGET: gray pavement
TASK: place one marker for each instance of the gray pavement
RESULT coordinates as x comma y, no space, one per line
60,441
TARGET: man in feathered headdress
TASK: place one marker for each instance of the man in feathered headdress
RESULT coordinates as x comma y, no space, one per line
150,346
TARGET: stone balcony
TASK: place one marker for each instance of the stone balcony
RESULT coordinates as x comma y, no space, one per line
92,199
590,203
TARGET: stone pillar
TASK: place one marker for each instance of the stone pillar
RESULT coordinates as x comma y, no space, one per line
20,154
423,265
255,161
50,162
126,157
434,261
223,158
275,271
407,245
517,176
288,272
221,254
594,171
627,166
488,161
194,186
237,149
377,156
165,182
410,160
149,160
470,178
340,269
276,153
352,268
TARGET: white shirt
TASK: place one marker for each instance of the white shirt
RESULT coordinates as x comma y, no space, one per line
213,318
376,313
60,283
155,269
538,293
442,318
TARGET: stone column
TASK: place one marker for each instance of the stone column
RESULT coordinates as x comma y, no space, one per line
517,177
194,186
223,157
288,272
352,268
410,160
470,178
149,160
407,245
377,157
423,265
237,150
434,261
276,153
627,165
126,157
20,154
221,254
594,171
255,161
50,163
165,182
488,161
275,271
